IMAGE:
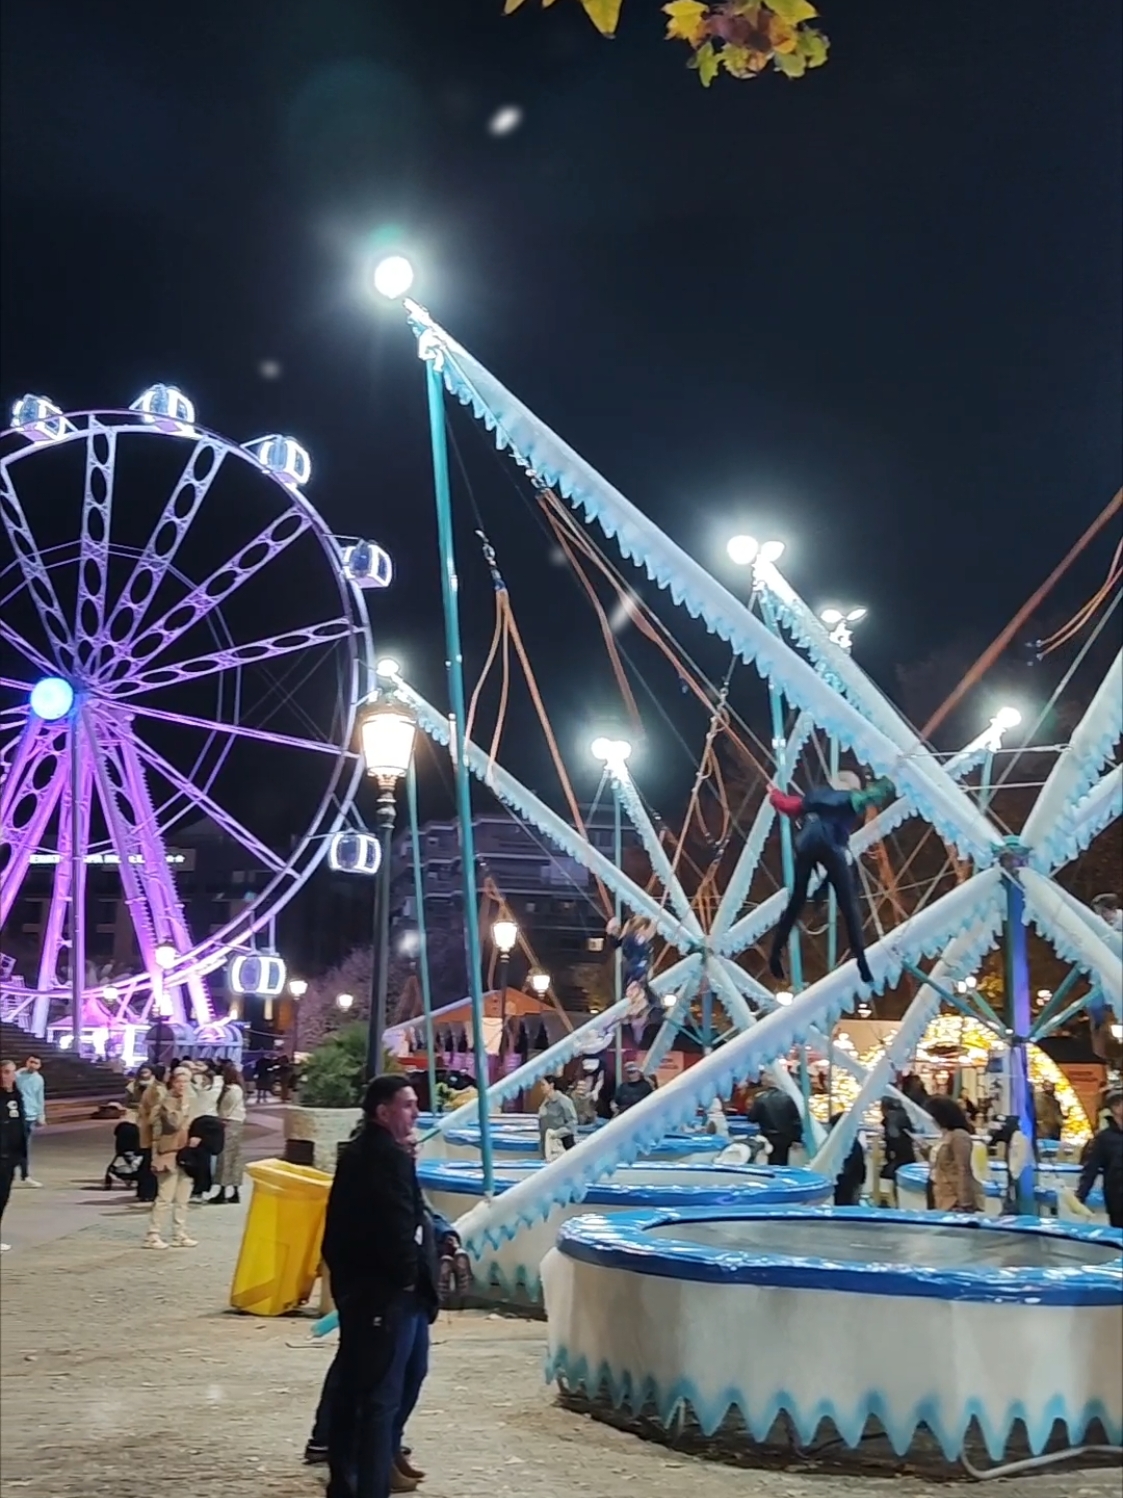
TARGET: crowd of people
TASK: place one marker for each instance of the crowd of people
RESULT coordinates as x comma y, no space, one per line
185,1123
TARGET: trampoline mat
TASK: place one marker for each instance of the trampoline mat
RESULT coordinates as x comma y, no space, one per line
935,1247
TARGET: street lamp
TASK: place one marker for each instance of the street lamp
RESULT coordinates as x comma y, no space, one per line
743,551
387,731
164,956
297,989
393,277
344,1001
504,933
839,622
611,751
540,982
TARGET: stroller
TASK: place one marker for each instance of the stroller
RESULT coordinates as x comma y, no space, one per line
126,1162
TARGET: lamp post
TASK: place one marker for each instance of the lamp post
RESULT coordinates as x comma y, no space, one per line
297,989
164,957
387,730
504,933
609,752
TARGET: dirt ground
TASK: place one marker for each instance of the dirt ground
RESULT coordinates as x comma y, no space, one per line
124,1375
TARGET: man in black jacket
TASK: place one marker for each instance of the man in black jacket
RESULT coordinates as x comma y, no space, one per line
1105,1157
380,1250
12,1135
778,1118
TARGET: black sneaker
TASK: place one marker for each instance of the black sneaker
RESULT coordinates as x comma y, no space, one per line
315,1456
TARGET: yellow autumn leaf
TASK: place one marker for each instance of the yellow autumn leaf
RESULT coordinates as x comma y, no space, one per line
782,36
604,14
791,64
687,21
705,60
792,11
813,47
510,6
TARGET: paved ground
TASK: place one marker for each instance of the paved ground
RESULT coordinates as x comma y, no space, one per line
123,1375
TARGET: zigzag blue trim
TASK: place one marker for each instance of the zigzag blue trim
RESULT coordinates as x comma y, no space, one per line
626,1388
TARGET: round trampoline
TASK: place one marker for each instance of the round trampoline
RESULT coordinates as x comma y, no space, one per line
509,1271
1053,1183
521,1142
912,1327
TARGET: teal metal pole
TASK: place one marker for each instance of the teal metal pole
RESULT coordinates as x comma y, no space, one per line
832,899
617,962
455,667
1058,1001
422,938
985,786
1042,1031
1016,968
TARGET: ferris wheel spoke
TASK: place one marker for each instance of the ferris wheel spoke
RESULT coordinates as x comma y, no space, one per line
25,839
163,544
28,651
156,637
39,583
262,735
22,750
326,633
212,808
56,937
156,877
93,554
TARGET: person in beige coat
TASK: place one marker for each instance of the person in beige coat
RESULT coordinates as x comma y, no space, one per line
170,1125
953,1183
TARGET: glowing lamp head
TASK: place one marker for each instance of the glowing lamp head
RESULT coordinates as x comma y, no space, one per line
540,982
298,988
344,1001
110,994
742,550
165,955
387,731
505,934
1007,717
771,551
784,997
388,668
853,615
831,616
393,277
611,751
52,698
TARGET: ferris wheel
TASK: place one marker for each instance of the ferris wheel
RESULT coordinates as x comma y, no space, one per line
183,640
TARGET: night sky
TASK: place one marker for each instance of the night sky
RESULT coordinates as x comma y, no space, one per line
875,312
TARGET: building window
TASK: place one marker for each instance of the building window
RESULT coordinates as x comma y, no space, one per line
595,944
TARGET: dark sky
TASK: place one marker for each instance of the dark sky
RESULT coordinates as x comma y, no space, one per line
876,312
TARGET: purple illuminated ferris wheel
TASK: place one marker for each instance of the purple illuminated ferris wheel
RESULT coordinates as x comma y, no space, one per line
182,641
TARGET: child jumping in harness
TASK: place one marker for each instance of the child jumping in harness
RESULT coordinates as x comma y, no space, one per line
634,939
827,816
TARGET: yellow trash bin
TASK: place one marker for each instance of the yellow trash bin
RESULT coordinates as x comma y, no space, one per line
280,1254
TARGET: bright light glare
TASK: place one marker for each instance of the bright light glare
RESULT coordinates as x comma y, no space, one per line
1007,717
505,934
784,997
831,616
1116,1032
612,751
52,698
110,994
393,277
669,1000
504,120
540,982
771,551
344,1001
298,988
742,550
854,615
165,955
387,666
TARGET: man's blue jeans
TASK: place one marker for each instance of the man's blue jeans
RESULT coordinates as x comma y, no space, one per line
371,1390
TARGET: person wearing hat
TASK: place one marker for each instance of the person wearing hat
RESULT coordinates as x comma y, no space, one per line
1105,1157
632,1090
